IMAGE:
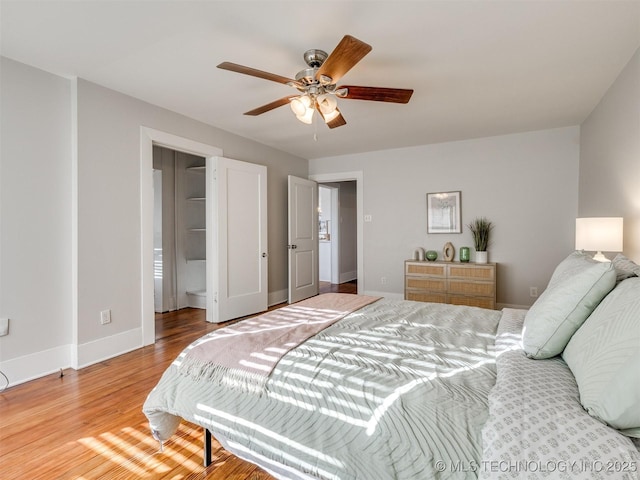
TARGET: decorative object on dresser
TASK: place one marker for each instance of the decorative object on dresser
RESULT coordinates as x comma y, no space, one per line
465,254
480,229
418,254
451,282
432,255
443,212
448,252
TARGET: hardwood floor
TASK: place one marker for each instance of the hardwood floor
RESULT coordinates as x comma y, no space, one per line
88,424
347,287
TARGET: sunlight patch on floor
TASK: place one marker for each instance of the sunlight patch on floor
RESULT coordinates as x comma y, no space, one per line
138,455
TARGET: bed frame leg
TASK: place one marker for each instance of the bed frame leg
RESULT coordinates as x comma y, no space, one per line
207,447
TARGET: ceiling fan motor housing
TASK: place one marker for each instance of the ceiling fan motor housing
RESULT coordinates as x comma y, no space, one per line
307,76
315,58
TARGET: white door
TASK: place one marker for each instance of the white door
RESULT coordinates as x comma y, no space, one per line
238,225
303,239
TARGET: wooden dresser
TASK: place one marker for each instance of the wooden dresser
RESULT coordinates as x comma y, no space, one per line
457,283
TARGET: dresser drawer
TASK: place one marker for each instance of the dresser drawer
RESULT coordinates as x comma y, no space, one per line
426,283
473,272
436,270
426,297
482,302
475,289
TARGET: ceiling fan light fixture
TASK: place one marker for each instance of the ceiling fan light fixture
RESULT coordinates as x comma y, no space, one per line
327,103
300,105
331,116
307,117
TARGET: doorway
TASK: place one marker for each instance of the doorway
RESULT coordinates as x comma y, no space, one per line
351,268
179,230
148,139
338,233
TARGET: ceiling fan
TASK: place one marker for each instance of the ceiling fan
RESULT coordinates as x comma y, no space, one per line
318,84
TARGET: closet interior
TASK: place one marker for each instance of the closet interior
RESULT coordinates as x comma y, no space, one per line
180,253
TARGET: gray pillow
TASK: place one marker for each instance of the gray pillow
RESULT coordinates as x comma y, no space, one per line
625,268
577,286
604,356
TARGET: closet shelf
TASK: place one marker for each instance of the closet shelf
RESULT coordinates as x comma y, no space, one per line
197,199
197,229
198,168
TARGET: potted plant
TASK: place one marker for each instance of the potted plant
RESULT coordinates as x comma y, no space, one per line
480,229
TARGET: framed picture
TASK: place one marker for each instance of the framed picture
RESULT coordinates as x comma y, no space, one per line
443,212
323,231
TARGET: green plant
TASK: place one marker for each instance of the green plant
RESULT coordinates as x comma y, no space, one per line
480,229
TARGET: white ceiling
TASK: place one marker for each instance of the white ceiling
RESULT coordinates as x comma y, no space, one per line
478,68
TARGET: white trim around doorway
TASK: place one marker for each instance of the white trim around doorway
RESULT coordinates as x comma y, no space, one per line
148,138
346,177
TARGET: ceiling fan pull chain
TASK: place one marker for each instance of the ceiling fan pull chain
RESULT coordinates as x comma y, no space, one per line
315,131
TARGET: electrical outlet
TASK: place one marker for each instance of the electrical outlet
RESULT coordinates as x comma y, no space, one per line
533,291
383,280
4,327
105,317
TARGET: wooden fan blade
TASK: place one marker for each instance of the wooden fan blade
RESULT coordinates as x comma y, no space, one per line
349,51
234,67
270,106
377,94
337,121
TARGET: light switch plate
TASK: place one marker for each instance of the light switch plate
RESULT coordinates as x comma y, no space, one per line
4,327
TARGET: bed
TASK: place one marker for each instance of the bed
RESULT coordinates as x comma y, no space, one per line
396,389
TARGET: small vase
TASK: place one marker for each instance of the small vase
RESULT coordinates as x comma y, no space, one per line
448,252
464,254
482,257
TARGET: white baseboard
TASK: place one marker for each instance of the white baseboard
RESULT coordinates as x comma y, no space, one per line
35,365
348,276
108,347
39,364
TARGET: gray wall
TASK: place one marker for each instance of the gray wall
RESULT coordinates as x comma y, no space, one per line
109,197
35,217
525,183
43,189
348,231
610,157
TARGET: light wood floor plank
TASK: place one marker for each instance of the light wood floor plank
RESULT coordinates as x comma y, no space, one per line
89,425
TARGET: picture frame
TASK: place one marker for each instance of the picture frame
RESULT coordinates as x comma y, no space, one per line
444,212
324,234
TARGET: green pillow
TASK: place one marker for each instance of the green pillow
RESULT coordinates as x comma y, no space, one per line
604,356
577,286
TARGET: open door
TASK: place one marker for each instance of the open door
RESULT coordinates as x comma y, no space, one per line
303,239
237,236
